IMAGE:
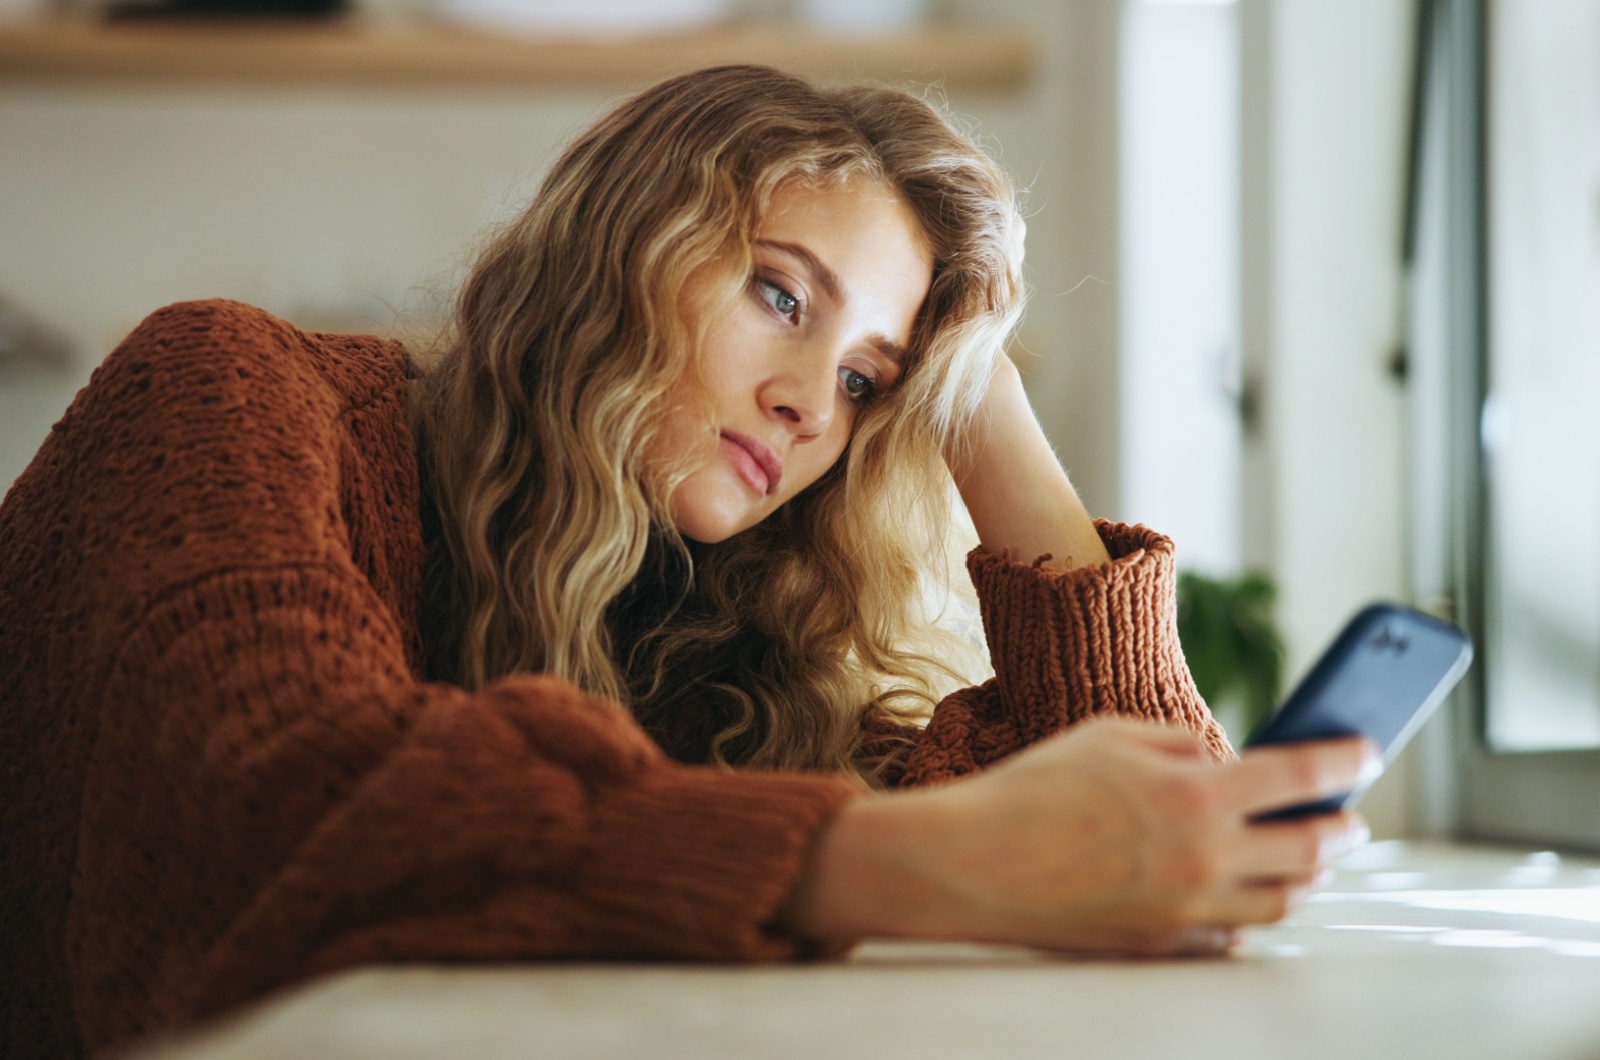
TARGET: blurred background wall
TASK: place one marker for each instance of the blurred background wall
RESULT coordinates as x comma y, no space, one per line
1214,193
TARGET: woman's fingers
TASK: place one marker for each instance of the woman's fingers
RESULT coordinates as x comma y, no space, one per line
1290,849
1263,901
1272,778
1202,940
1198,940
1280,863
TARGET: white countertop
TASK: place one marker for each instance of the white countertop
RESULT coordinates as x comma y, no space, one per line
1415,950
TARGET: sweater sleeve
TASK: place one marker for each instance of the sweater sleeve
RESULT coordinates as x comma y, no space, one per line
1067,646
314,807
254,783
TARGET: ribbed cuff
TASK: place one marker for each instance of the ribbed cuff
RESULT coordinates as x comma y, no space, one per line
1069,645
695,862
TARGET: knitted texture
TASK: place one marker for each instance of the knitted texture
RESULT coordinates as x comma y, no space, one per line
222,771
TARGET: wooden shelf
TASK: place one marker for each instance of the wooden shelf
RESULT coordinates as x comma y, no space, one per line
356,52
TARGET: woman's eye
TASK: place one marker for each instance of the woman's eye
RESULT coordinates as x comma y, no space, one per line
856,385
782,302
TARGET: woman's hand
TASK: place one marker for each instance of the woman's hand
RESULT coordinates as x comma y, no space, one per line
1013,485
1117,836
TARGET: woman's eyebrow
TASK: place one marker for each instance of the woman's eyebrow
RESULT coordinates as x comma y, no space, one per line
828,280
890,349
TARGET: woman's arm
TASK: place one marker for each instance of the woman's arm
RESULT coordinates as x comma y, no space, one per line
1014,488
252,781
1089,634
1117,836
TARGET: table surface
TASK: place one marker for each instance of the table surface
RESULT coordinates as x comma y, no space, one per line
1415,950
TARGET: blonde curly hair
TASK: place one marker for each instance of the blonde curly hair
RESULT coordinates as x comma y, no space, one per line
552,547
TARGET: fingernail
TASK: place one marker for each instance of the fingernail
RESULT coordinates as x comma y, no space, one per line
1360,832
1371,769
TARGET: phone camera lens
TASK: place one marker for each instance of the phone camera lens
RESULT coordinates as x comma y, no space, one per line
1388,640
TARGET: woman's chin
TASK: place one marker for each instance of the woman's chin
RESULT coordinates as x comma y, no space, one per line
710,512
708,528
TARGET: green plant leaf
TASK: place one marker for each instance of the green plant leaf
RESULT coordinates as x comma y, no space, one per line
1231,640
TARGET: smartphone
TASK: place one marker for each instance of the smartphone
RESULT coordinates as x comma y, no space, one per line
1381,678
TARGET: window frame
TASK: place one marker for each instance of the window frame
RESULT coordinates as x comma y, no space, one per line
1466,788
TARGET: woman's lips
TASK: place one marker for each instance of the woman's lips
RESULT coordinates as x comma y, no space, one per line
757,464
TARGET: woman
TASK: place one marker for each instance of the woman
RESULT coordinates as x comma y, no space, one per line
602,636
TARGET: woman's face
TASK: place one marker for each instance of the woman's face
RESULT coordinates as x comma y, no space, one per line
839,274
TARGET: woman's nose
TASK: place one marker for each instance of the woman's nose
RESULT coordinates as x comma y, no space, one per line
803,396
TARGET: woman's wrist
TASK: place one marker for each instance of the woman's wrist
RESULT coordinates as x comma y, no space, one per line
1015,489
865,876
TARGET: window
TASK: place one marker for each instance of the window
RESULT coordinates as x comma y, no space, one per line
1505,341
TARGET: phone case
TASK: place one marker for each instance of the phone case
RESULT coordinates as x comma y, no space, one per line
1381,678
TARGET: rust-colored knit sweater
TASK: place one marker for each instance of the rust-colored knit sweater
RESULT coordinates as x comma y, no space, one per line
221,772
